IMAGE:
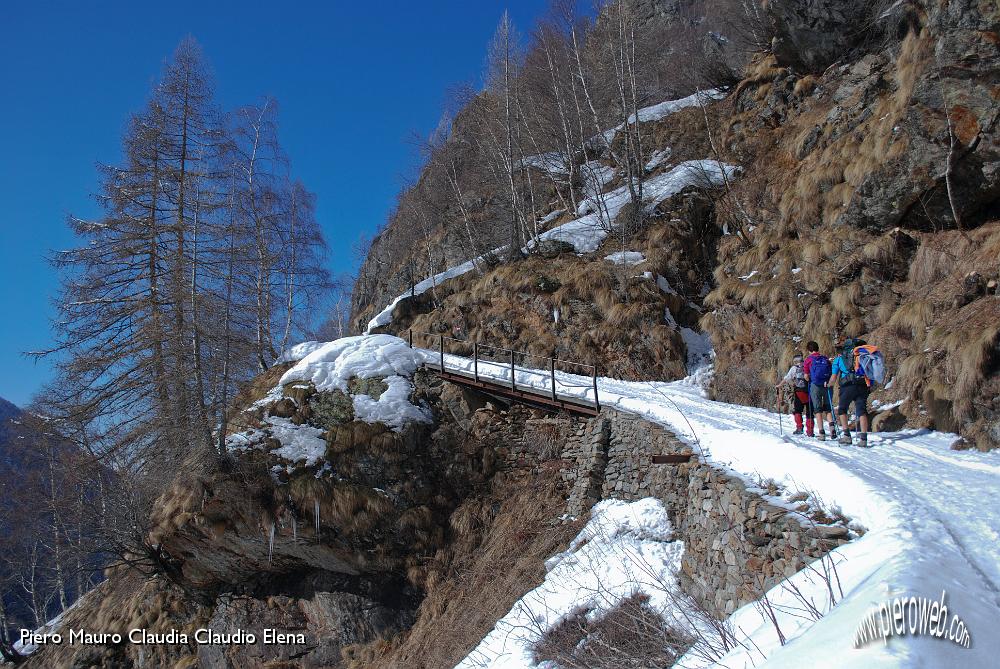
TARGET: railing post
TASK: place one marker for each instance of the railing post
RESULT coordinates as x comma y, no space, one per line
552,370
513,382
441,349
411,337
597,402
475,360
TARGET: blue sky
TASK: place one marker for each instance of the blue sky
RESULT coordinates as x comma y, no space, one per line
355,81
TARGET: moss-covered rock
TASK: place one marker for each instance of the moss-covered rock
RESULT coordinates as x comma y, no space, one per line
552,248
547,284
329,409
373,387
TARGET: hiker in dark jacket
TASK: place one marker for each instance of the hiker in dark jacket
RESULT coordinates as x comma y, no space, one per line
850,378
817,368
795,379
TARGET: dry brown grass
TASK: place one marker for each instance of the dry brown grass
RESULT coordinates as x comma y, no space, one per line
805,85
497,550
371,437
684,132
880,251
632,634
759,74
975,359
306,489
128,601
600,316
844,299
740,338
237,416
911,319
819,188
355,510
932,263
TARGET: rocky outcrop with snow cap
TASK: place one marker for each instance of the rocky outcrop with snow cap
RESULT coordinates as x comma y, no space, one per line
333,365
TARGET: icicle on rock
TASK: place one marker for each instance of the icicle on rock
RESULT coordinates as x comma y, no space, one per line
316,514
270,544
295,529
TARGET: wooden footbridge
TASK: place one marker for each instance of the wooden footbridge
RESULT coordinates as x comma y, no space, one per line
495,371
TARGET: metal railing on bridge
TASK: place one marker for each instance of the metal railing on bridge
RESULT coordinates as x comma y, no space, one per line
510,359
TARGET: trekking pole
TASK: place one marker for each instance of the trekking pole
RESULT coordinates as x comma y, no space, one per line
777,405
833,416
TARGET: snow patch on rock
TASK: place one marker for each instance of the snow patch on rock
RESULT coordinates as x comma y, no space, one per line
299,443
657,159
298,351
587,232
664,109
625,258
699,349
333,364
393,407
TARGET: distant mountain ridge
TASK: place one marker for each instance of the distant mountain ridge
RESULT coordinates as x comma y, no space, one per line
8,411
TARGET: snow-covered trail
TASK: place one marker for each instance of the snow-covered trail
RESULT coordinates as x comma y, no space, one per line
931,516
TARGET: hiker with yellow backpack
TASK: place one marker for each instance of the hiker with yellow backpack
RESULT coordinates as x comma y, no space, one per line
858,367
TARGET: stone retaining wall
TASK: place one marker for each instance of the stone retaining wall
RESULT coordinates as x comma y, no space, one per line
737,542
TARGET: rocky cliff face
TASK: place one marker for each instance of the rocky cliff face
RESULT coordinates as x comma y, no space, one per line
872,190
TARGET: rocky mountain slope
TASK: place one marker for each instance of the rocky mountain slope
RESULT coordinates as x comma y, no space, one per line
872,188
847,185
865,205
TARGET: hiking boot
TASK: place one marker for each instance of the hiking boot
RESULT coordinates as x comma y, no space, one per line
845,439
833,430
798,430
863,440
821,435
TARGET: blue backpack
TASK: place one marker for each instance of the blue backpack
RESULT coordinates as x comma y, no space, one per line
820,370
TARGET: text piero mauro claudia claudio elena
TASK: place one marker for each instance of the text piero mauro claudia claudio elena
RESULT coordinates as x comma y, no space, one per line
202,636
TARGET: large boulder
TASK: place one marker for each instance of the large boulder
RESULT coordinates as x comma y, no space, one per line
323,616
809,35
890,420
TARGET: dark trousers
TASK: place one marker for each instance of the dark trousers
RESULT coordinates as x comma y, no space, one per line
856,393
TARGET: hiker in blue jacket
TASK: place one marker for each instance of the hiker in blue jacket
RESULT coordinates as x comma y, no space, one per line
854,388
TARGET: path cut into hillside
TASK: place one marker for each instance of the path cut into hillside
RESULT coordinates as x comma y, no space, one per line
928,513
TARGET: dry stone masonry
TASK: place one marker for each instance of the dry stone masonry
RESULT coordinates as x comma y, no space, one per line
739,540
